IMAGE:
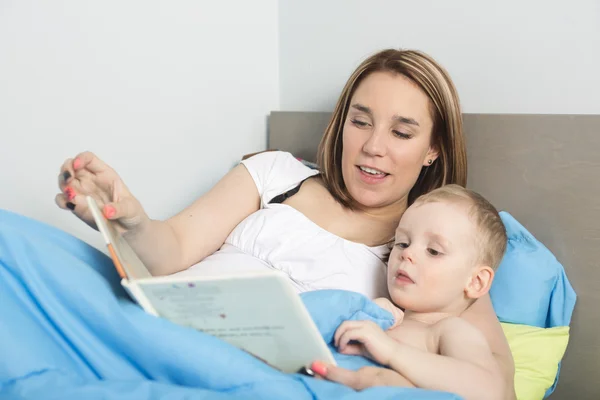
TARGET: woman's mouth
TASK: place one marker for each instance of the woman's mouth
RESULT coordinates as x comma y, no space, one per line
371,175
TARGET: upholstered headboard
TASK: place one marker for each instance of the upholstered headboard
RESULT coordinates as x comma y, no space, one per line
545,171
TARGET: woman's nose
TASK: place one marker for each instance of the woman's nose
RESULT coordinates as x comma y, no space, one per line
376,143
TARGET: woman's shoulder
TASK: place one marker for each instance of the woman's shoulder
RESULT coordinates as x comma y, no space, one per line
271,159
277,171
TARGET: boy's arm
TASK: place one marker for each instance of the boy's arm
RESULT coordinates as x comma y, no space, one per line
465,365
387,305
482,316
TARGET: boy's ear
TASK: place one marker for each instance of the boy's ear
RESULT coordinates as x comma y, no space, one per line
480,282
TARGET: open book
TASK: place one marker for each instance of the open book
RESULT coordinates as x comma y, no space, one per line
260,313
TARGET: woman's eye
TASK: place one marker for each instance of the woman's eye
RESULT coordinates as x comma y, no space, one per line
402,135
433,252
358,123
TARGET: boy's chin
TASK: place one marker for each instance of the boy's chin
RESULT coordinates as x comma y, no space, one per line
417,304
402,301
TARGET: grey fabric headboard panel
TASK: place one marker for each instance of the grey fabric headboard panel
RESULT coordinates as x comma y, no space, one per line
545,171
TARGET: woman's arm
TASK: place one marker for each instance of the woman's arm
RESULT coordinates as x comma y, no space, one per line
168,246
481,314
199,230
362,378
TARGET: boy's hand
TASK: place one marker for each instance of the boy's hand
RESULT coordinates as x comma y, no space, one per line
387,305
371,341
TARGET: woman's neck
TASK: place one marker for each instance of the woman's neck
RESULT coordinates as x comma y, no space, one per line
372,226
379,223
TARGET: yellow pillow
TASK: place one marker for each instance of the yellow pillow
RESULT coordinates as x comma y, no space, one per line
537,352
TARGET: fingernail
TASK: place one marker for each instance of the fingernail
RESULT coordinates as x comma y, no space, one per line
109,211
70,206
76,163
66,176
319,368
70,193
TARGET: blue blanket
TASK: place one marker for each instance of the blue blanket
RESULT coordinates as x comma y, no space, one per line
69,331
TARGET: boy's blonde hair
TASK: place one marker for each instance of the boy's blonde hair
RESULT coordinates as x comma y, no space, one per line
491,237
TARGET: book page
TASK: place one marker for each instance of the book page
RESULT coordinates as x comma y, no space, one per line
260,314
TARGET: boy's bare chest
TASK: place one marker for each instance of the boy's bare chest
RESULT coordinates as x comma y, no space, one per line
416,335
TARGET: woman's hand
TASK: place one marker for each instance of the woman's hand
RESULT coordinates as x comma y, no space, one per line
87,175
362,378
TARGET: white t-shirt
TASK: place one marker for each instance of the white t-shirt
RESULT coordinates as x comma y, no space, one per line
280,237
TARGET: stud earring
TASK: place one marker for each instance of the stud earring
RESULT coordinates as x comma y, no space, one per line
429,162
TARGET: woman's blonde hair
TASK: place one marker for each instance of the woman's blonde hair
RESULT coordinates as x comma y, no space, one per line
447,135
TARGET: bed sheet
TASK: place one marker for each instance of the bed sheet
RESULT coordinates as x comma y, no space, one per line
68,330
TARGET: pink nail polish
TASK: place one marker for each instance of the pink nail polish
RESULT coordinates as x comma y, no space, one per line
109,211
319,368
70,193
76,163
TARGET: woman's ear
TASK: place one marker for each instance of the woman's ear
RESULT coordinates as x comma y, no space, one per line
480,282
432,154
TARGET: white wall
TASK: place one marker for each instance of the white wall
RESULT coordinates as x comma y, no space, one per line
171,94
133,80
504,56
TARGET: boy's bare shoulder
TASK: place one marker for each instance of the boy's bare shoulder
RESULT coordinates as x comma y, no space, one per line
456,327
453,322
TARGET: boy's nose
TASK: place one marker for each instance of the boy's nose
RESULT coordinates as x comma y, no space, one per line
407,255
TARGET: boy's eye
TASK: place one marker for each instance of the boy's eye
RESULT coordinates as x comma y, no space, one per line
402,245
433,252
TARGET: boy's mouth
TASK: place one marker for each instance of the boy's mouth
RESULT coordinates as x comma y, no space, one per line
403,277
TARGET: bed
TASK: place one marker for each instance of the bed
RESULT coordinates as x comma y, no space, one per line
67,329
545,171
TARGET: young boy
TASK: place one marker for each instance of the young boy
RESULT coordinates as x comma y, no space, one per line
448,245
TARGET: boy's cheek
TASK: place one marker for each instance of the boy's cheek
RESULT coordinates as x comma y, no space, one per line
392,265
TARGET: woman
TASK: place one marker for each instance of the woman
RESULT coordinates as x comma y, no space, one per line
396,133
